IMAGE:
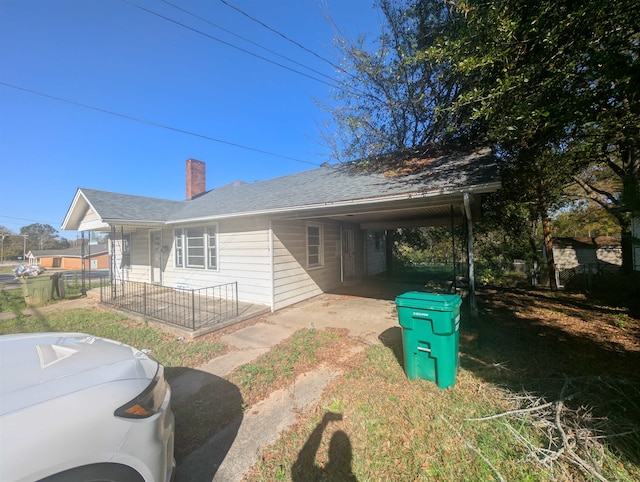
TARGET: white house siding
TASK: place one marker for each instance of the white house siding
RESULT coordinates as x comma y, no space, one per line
376,256
610,255
91,217
139,268
292,280
243,257
120,270
568,258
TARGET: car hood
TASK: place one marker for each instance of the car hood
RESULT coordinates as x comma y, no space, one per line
39,367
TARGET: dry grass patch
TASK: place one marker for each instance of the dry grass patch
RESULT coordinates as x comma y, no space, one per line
223,401
548,390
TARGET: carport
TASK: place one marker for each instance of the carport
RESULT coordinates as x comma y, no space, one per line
455,188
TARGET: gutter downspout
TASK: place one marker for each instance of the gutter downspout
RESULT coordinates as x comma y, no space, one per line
271,260
472,282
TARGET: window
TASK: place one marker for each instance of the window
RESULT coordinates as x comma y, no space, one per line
194,242
196,247
314,245
179,250
212,248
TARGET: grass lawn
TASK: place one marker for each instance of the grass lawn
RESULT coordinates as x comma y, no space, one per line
548,389
165,347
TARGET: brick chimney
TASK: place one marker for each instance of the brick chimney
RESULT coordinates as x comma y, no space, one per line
196,178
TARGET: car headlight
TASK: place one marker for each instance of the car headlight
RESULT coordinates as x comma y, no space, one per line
149,401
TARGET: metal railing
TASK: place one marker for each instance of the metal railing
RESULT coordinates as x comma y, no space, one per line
187,308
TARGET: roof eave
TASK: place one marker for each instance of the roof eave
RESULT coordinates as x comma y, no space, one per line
475,189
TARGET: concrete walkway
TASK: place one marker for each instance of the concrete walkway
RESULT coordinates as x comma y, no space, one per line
234,450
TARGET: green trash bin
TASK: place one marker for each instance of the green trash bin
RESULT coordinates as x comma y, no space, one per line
430,324
38,290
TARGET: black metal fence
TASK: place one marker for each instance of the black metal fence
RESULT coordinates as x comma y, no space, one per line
188,308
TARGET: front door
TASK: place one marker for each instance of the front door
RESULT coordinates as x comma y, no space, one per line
348,254
155,256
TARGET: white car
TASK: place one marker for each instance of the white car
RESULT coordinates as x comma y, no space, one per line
74,407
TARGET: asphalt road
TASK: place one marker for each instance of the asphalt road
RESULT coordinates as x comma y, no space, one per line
7,281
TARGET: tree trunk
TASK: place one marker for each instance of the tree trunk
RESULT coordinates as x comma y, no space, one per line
548,245
626,243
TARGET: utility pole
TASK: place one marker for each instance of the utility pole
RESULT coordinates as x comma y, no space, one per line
2,248
24,246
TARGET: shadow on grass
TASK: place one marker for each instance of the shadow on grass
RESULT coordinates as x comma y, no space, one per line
392,339
544,343
533,342
207,421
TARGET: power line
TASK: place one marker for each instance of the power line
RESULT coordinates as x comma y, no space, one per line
256,44
155,124
336,84
224,42
24,219
350,90
259,22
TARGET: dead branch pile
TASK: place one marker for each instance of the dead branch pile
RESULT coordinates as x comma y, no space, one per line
592,420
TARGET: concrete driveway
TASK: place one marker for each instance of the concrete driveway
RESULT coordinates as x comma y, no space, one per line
367,311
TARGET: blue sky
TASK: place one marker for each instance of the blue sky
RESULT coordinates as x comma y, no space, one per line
114,56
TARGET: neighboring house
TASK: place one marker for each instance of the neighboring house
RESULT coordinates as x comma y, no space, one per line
287,239
96,256
602,252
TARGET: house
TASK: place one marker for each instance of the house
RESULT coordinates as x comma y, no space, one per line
96,256
286,239
602,252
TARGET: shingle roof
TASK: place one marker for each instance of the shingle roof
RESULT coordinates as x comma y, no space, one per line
126,207
322,186
74,252
588,243
333,184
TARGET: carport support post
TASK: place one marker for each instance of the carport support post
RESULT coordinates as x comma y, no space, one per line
472,280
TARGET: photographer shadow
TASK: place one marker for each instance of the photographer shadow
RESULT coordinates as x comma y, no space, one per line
338,468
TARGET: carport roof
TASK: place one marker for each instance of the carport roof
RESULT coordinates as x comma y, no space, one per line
328,191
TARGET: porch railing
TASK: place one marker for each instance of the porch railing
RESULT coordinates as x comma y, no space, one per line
188,308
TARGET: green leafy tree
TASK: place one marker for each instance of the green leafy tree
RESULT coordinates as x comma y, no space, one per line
584,218
42,236
555,84
392,93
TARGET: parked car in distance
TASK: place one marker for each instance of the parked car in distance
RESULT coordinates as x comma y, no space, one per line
75,407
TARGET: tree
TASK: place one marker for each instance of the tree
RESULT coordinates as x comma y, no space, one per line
42,236
552,85
584,218
390,96
556,85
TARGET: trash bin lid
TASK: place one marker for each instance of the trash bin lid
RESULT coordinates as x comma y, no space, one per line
428,301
